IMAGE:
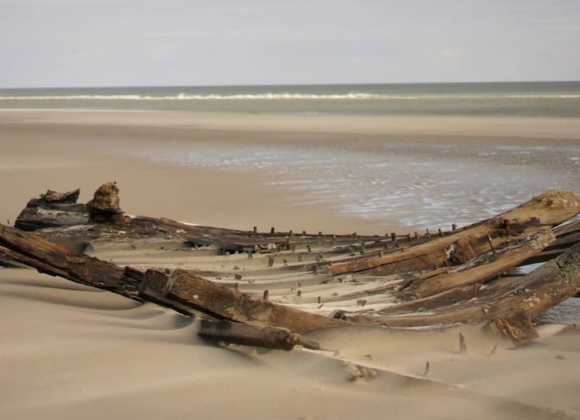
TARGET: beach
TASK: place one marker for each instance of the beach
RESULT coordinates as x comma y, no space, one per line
338,174
70,350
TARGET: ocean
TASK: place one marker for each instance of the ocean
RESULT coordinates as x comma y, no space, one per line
526,99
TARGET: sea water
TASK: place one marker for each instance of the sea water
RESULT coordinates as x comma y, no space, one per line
549,99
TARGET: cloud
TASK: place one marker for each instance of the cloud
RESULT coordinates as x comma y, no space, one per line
96,53
198,34
449,53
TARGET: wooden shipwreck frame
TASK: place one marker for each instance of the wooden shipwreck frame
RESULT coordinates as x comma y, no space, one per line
270,288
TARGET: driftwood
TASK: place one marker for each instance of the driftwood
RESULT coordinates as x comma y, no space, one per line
452,277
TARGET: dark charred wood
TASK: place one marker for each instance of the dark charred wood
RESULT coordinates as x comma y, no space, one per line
130,282
39,215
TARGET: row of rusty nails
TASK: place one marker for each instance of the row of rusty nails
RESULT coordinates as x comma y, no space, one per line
362,247
354,235
266,294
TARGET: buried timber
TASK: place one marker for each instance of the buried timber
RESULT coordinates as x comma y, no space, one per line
269,289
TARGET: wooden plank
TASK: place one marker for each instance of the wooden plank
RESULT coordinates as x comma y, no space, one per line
482,268
40,266
228,239
545,287
439,300
546,210
248,335
52,209
191,291
555,249
57,260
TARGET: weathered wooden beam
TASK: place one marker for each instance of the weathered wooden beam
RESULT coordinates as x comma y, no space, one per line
556,248
53,209
546,210
482,268
439,300
364,293
568,228
248,335
227,239
190,291
83,268
531,295
42,214
9,255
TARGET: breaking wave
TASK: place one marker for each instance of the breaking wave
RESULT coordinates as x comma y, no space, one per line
279,96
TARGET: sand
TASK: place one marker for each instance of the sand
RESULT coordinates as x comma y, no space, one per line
379,174
70,351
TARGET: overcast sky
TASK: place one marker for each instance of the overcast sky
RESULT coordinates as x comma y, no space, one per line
56,43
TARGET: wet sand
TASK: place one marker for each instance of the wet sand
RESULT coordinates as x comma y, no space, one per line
69,350
377,175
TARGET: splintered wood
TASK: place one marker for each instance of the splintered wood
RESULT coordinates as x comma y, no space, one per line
299,283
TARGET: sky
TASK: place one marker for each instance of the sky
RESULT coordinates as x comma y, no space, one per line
68,43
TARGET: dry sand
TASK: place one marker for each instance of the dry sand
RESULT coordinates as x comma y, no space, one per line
70,351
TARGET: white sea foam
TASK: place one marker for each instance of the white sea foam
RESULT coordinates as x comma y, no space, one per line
277,96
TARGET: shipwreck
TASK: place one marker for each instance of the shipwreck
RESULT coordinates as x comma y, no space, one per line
271,288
